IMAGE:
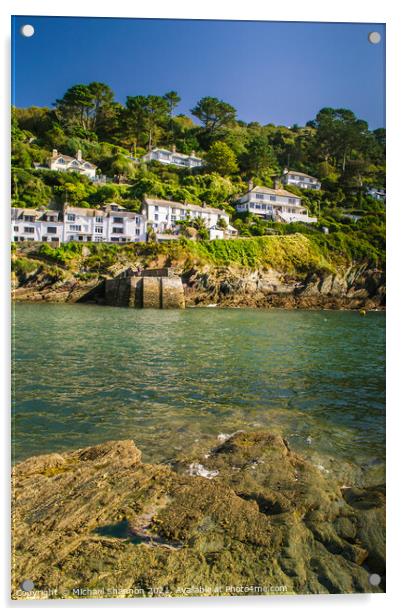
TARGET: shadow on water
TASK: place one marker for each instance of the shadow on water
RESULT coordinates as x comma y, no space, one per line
122,530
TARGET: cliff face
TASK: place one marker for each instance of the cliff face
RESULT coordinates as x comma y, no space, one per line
243,511
352,288
356,287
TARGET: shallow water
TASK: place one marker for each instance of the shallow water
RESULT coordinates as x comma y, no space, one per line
85,374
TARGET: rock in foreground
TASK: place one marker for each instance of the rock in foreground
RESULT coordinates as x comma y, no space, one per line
247,517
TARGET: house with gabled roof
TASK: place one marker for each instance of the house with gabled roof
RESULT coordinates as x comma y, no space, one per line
164,215
275,204
300,179
171,157
62,162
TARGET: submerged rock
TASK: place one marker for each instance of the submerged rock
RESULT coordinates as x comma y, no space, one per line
262,519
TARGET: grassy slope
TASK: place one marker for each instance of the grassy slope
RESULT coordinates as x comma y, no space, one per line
293,254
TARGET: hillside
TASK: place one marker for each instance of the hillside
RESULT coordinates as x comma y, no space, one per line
335,146
283,271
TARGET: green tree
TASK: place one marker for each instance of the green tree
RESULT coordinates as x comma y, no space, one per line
172,99
28,190
75,106
214,114
144,116
339,133
221,159
88,106
122,166
259,156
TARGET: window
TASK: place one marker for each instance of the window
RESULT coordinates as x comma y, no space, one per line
156,208
29,218
156,217
137,220
61,161
117,230
98,218
272,198
115,239
51,218
98,239
75,227
51,230
16,229
29,229
259,196
44,238
137,231
173,218
15,238
71,217
98,229
118,219
55,239
292,200
74,164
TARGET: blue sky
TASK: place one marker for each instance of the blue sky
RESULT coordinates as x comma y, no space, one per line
271,72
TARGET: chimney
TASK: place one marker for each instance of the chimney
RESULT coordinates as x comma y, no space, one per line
173,149
54,154
79,155
192,153
250,184
276,183
285,171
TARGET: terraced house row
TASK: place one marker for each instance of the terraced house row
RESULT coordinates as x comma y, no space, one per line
113,223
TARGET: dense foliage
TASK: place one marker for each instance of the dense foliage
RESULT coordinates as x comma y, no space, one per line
336,146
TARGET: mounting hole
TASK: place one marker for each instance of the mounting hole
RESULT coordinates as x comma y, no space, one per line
374,38
374,579
27,30
27,585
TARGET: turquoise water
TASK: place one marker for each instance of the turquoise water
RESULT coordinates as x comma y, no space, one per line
85,374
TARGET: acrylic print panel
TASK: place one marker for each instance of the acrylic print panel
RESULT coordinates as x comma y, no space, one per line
198,258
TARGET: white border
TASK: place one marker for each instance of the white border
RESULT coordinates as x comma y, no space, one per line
378,11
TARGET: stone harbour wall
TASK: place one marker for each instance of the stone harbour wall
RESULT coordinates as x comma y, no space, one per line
145,292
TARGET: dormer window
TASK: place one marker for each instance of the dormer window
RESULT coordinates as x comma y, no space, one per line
74,164
61,161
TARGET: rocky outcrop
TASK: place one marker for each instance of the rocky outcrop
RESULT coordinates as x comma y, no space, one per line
356,287
245,516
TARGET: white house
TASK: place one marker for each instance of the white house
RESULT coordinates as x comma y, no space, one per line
62,162
110,223
217,233
274,203
36,225
171,157
376,193
164,215
300,179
